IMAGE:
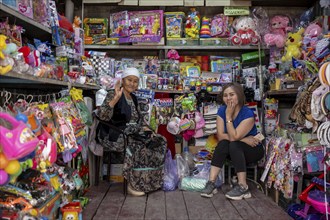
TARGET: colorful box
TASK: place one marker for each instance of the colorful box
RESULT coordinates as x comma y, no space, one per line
10,3
174,24
145,26
40,12
214,42
112,41
182,42
25,7
96,30
119,24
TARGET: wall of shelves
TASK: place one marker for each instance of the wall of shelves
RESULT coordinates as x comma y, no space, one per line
32,28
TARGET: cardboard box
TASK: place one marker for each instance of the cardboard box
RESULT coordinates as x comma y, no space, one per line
116,173
161,3
214,42
161,42
182,42
178,148
193,2
227,3
195,149
129,2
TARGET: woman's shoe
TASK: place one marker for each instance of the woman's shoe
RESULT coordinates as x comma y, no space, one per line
133,192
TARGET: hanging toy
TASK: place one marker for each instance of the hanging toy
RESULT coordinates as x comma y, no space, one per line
17,142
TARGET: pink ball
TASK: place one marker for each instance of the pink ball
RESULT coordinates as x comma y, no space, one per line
3,177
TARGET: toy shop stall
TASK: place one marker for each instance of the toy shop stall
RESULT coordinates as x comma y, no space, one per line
286,84
49,155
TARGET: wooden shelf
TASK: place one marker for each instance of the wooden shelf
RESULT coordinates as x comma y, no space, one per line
32,27
164,47
14,77
283,92
180,92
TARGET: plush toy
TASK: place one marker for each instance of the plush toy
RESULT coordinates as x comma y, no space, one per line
279,25
245,31
31,57
173,55
6,63
311,35
293,44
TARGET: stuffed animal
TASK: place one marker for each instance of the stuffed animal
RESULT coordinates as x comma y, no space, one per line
279,25
293,44
245,31
6,63
311,35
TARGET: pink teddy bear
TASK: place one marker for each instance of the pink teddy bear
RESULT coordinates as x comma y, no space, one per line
279,26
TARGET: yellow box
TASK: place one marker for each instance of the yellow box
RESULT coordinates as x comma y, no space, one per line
182,42
227,3
214,42
112,41
117,179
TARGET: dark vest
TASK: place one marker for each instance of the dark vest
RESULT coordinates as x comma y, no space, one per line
121,116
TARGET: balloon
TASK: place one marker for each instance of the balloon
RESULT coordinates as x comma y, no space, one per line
3,177
3,161
13,167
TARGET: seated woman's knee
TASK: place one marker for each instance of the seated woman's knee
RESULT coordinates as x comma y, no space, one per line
235,146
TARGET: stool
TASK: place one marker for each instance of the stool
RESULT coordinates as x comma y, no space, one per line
253,166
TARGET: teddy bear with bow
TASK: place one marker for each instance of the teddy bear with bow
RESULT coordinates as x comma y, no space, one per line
245,31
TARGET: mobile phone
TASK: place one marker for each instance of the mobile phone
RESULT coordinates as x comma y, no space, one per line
259,136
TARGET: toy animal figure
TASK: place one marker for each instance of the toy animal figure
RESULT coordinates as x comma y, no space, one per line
245,31
76,22
5,63
293,44
311,35
279,25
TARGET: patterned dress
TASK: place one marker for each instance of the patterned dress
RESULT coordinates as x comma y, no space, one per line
145,152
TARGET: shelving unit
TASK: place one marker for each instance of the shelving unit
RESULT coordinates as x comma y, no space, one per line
32,28
17,78
165,47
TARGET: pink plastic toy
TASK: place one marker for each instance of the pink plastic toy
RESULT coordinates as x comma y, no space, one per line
51,147
317,199
17,142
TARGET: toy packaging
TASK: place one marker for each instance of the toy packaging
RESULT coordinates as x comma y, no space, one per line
40,12
119,24
96,30
144,26
25,7
174,24
10,3
219,26
192,25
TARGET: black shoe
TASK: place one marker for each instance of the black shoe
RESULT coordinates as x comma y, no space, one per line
209,190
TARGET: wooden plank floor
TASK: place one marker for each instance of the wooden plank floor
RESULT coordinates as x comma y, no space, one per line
109,202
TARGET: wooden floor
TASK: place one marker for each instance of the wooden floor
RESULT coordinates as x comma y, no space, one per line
110,203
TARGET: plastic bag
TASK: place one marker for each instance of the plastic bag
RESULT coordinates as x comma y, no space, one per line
182,166
187,156
171,177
